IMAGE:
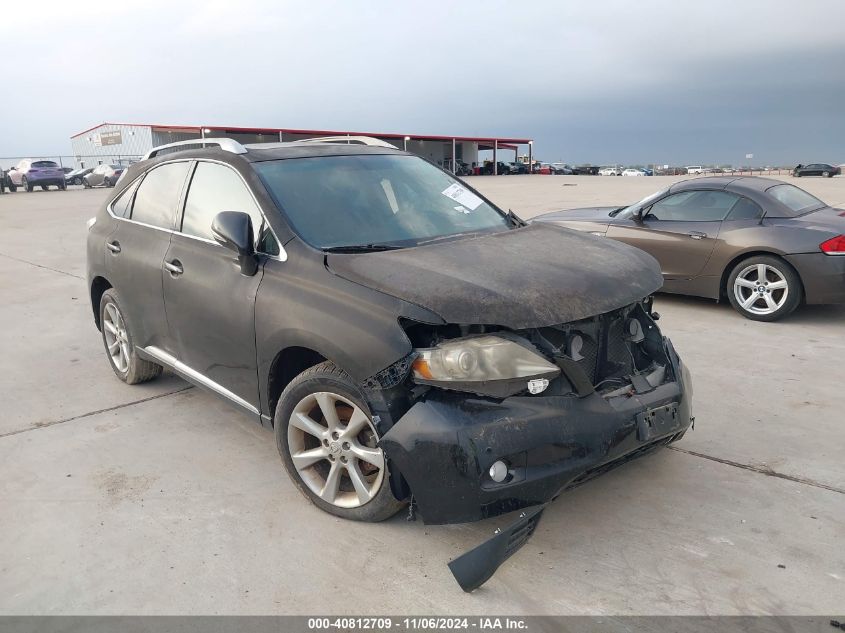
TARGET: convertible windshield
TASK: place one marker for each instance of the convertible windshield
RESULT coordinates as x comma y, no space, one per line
372,200
624,213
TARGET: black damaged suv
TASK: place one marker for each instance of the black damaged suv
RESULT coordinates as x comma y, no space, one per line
407,340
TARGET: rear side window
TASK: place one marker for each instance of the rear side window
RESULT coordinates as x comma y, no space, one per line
44,163
745,209
796,200
122,206
158,195
215,188
693,206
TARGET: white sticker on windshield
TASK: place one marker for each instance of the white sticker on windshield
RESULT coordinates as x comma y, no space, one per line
462,196
463,210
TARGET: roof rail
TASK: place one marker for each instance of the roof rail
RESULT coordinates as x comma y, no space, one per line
226,144
347,140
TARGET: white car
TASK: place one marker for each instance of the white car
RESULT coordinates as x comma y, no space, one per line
633,172
610,171
105,175
695,169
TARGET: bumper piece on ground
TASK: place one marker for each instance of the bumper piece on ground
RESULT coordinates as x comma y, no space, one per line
478,565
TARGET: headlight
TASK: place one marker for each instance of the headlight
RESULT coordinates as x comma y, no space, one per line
488,364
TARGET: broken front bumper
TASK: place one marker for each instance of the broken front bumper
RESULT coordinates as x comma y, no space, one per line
444,446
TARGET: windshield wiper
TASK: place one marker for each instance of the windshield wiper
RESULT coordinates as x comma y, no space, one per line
361,248
515,220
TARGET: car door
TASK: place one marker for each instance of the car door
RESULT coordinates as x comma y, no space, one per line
679,230
210,305
146,214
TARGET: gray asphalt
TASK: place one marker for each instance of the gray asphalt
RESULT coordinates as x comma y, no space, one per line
161,499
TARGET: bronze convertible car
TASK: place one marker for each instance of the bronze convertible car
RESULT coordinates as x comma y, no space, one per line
766,245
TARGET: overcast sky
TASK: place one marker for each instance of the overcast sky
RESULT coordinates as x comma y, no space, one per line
601,82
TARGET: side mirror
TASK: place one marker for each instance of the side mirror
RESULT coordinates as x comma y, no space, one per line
233,230
638,216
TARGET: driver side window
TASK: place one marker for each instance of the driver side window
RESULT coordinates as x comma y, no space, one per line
215,188
693,206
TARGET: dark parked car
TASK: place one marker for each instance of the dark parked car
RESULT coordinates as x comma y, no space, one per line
763,244
816,169
586,170
35,173
386,320
518,168
502,169
77,175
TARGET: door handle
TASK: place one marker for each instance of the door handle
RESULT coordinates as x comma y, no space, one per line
174,267
114,247
697,235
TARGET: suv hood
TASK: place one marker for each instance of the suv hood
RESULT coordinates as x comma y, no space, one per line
535,276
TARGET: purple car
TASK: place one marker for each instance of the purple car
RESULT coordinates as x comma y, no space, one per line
35,173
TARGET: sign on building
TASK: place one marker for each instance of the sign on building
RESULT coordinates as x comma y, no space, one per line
108,138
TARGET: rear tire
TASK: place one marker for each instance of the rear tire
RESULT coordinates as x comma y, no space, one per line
359,488
119,345
26,185
764,288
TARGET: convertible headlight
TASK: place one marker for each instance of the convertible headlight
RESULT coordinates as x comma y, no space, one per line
489,364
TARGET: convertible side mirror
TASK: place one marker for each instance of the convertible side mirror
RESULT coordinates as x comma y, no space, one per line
233,230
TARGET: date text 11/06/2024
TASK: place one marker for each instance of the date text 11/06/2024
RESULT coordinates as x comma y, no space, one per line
417,624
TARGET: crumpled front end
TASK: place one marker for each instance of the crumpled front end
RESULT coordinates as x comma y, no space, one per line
621,392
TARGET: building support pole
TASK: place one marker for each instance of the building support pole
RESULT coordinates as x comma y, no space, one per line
495,160
281,137
530,159
454,157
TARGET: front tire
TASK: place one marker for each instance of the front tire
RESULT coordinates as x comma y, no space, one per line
826,174
329,445
118,341
764,288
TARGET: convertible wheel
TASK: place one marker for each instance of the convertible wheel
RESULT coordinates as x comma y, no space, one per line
764,288
329,444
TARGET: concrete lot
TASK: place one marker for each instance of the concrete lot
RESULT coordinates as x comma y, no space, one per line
161,499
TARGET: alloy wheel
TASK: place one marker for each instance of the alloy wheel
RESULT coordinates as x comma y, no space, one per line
332,445
761,289
117,340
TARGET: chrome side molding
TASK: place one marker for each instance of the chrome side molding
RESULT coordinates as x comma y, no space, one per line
160,356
